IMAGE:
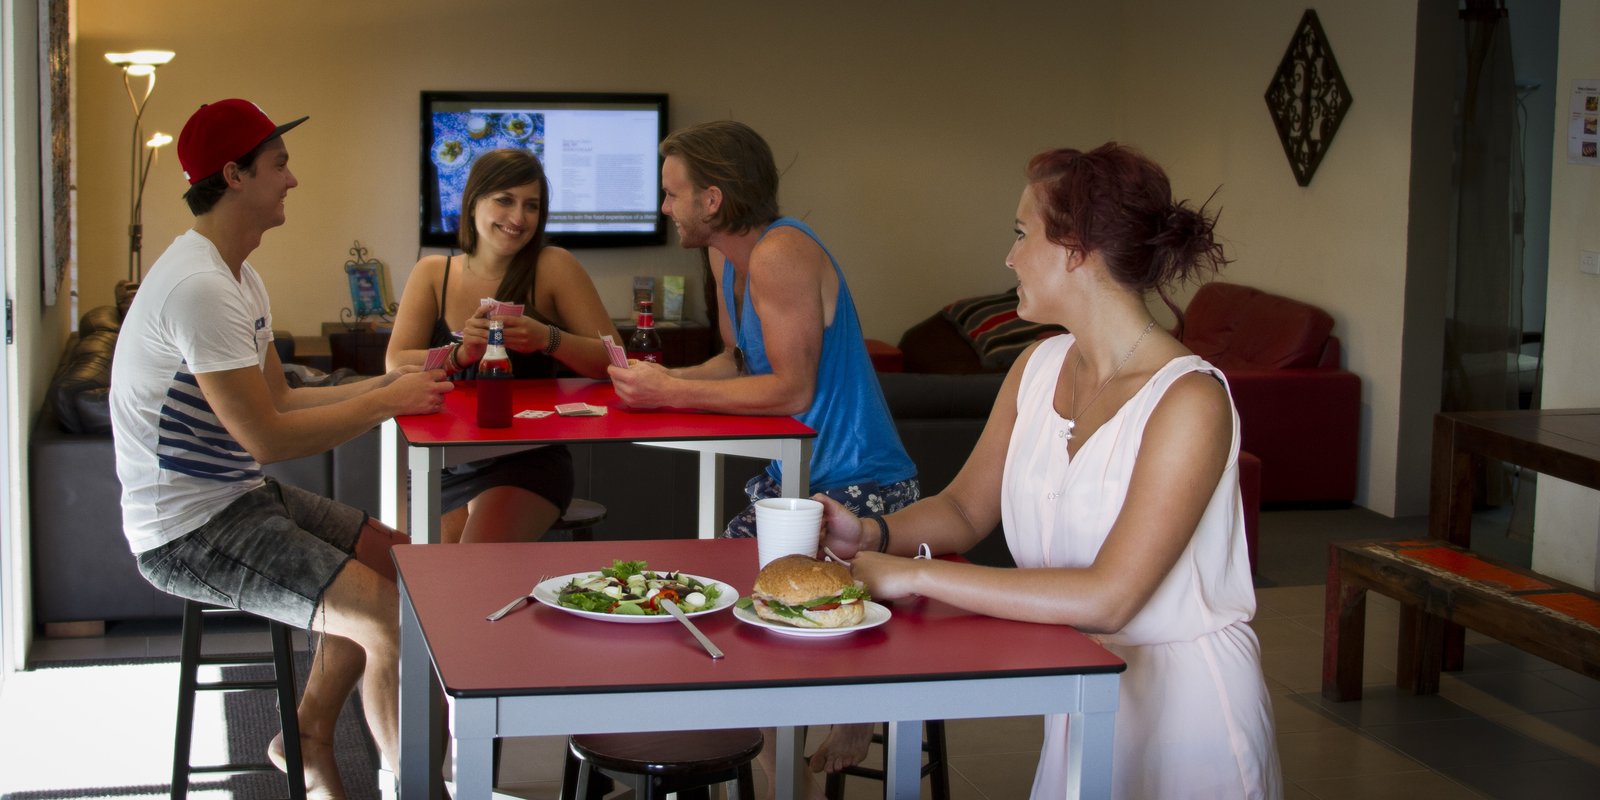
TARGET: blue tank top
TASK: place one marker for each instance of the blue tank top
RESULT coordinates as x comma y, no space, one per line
856,438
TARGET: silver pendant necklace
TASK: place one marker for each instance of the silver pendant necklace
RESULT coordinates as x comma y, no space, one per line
1072,422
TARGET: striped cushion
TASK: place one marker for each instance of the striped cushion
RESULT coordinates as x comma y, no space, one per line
991,324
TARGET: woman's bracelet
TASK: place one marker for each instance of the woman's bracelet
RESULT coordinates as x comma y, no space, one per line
553,341
883,532
451,362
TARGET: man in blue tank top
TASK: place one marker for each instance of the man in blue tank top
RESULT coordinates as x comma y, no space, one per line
792,342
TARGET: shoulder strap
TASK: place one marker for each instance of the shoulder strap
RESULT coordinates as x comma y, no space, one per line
444,288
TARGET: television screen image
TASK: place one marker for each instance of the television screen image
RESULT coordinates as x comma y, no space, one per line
598,150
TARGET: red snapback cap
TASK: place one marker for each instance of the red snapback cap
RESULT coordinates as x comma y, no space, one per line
221,132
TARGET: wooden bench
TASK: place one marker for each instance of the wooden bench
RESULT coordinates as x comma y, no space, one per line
1550,619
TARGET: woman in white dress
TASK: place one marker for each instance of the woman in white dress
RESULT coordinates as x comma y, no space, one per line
1111,456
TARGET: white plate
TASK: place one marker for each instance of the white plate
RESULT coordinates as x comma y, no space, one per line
547,591
527,126
876,615
442,157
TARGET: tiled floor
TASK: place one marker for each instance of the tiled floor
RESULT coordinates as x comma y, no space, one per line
1510,725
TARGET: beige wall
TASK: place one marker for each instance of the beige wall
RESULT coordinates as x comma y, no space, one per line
903,140
1567,518
40,329
903,135
1191,92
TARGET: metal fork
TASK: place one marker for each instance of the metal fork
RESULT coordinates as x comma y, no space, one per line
511,606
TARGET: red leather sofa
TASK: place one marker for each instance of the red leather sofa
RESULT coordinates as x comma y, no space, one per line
1299,411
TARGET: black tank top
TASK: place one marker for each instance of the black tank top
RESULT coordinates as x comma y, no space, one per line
523,365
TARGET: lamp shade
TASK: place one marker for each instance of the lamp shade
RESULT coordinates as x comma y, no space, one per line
144,58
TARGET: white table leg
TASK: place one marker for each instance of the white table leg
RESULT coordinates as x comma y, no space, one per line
421,709
710,494
474,751
790,782
796,458
1090,734
902,767
425,465
391,478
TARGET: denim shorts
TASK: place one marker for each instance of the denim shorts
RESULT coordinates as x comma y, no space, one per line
271,552
861,499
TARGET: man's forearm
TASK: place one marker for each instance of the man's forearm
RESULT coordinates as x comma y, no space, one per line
751,394
718,367
312,396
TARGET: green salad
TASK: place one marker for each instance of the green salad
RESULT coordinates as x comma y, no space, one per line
629,587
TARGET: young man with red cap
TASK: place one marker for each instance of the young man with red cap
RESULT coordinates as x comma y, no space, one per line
199,402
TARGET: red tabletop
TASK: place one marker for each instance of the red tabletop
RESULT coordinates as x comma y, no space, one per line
539,650
457,423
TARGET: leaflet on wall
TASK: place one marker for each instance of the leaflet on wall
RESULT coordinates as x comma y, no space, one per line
1583,128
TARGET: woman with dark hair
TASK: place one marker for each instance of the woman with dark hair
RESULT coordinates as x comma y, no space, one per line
1111,457
504,208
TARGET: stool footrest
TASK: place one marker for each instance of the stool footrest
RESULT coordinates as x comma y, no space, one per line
236,686
213,769
233,661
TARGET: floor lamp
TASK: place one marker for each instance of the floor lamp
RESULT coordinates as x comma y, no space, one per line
140,64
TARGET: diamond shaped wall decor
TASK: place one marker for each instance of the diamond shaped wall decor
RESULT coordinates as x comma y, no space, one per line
1307,98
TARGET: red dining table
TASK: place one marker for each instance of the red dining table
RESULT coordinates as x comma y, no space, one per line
543,671
430,442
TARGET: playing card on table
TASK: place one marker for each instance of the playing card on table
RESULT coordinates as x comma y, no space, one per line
529,413
437,357
619,358
580,410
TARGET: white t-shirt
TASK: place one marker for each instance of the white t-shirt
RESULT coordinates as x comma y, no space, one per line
178,465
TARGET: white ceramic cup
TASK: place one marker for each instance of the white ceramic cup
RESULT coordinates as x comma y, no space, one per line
787,526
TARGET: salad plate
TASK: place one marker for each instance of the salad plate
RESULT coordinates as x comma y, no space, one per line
517,126
450,154
548,590
876,615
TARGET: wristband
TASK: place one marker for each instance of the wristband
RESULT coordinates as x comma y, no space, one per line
883,532
450,360
553,340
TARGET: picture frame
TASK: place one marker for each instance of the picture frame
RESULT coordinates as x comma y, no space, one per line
369,287
57,243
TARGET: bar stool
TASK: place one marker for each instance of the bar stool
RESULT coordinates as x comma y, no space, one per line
190,660
937,769
654,765
581,517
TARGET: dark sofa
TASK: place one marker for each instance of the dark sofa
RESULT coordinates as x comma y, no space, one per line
82,568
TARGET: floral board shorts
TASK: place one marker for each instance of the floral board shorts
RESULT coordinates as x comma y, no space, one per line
861,499
271,552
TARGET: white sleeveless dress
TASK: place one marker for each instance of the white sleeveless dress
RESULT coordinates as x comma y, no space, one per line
1194,718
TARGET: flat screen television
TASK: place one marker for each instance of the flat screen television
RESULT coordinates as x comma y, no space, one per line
598,150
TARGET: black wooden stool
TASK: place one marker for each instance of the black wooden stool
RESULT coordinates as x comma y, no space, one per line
937,770
657,764
581,517
189,663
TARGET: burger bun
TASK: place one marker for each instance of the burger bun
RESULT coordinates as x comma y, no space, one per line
797,580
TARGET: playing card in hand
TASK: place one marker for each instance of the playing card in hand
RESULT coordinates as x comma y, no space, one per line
437,358
501,308
618,357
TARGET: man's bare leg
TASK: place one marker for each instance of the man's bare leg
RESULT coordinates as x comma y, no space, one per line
337,665
360,618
